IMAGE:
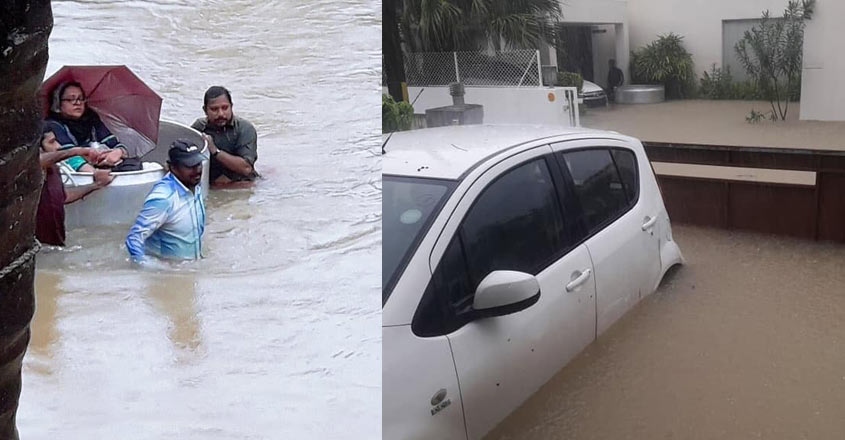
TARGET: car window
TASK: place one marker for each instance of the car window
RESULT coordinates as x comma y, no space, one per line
408,207
516,223
626,163
597,185
447,295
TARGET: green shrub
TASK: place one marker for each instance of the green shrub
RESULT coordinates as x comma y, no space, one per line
717,84
747,91
395,116
755,117
570,79
665,61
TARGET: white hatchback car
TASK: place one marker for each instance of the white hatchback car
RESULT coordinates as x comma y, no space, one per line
506,251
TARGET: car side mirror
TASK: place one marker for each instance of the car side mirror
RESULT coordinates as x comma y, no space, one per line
503,292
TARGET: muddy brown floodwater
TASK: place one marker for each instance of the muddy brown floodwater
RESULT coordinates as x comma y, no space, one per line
716,122
747,340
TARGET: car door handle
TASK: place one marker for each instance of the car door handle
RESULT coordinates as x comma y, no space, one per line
649,223
581,279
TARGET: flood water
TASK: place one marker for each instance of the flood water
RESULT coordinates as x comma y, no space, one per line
276,333
745,341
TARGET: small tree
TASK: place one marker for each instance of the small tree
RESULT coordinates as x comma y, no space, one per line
395,116
716,84
772,53
665,61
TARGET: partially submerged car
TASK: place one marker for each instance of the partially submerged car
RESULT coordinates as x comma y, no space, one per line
592,95
506,251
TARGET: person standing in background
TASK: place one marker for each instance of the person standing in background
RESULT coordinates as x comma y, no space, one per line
615,78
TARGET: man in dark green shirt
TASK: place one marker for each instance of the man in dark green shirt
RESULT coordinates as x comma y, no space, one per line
615,78
232,141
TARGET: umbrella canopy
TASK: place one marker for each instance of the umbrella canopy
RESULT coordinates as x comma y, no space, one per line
128,107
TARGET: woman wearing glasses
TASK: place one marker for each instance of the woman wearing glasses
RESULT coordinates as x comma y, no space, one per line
76,125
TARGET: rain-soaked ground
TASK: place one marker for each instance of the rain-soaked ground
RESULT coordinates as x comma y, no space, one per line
747,340
276,332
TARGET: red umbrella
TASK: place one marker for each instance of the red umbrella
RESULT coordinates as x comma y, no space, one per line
128,107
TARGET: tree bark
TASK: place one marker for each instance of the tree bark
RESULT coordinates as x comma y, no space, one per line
25,27
394,66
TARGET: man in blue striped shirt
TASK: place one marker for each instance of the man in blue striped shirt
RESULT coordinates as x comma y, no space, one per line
172,221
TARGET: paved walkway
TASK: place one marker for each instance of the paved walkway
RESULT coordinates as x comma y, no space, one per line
716,123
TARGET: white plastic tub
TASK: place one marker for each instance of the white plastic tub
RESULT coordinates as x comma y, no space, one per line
120,201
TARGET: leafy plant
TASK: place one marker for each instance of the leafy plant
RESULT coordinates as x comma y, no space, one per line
470,25
665,61
395,116
771,53
717,84
755,116
746,90
570,79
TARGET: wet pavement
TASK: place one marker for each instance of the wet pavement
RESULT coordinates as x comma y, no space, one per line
747,340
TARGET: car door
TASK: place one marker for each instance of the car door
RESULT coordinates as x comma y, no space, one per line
510,219
419,387
619,229
644,199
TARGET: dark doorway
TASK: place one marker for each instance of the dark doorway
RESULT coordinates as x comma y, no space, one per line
575,50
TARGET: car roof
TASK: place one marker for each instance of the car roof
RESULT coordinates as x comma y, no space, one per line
449,152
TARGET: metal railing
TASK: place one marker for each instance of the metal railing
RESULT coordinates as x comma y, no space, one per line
520,68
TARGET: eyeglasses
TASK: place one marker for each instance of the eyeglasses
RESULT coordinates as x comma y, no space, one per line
77,100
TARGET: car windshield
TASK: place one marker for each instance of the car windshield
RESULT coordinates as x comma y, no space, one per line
408,207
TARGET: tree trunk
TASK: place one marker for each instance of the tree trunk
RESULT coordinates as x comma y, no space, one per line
25,27
394,67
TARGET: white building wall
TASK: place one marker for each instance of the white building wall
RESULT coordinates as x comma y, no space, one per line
822,88
594,11
639,22
604,48
698,21
610,15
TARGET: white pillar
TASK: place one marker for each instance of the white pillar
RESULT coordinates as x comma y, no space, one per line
548,54
623,50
